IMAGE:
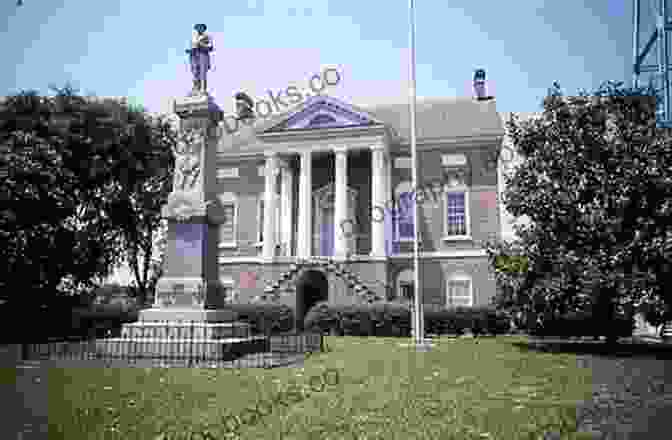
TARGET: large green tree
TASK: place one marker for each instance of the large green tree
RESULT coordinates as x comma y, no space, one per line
69,163
596,185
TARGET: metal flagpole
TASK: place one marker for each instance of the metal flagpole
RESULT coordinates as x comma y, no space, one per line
418,318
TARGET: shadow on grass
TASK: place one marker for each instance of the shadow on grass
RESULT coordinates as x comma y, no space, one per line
623,349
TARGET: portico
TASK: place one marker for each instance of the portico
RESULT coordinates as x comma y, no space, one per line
325,214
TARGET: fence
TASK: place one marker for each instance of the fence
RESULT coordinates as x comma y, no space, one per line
265,351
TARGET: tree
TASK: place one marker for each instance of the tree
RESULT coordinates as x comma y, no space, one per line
596,184
66,162
138,209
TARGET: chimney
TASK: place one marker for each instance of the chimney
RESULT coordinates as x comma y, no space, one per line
479,85
244,106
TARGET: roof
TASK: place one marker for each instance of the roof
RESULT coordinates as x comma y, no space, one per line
437,118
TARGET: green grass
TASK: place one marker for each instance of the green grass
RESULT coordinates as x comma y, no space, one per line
464,389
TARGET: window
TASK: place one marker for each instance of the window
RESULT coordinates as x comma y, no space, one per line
322,120
228,292
405,285
227,228
407,291
402,162
403,212
260,223
227,173
456,214
459,292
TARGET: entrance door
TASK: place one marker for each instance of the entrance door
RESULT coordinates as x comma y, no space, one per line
311,288
327,233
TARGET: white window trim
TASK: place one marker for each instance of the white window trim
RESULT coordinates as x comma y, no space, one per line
260,227
467,214
230,199
460,277
402,187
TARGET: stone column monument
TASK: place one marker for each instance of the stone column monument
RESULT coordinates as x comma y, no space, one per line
189,289
189,319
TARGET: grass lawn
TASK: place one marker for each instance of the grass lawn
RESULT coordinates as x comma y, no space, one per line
482,388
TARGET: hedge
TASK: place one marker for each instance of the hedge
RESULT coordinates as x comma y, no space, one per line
584,324
265,318
394,319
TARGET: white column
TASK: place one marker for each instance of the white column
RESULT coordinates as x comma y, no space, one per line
340,201
387,195
305,234
378,184
270,200
287,227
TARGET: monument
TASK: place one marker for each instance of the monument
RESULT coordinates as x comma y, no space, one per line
189,301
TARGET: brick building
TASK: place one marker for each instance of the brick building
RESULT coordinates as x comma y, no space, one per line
318,183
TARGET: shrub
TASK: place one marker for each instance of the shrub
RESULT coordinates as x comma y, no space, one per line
323,319
581,324
99,321
265,318
480,320
378,319
394,319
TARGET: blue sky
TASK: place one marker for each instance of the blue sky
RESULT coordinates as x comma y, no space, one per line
136,48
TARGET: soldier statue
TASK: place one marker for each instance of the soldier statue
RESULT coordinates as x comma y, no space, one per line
199,58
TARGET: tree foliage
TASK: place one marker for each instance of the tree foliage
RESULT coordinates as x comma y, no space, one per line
68,162
596,184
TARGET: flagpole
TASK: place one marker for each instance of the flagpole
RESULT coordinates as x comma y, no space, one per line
418,324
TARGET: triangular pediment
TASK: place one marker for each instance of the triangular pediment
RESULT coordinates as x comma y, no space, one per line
321,112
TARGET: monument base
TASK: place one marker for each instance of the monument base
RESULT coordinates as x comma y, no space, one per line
186,314
181,349
186,333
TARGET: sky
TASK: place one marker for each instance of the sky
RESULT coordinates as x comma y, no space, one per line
136,48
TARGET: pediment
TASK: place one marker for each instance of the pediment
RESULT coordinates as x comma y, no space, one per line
321,112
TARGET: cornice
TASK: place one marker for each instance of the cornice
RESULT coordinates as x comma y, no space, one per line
323,133
323,145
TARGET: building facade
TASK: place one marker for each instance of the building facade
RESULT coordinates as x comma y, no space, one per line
317,203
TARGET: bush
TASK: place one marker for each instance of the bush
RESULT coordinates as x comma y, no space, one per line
265,318
378,319
323,319
582,324
100,321
394,319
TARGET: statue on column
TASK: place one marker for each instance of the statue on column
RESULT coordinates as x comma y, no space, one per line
199,58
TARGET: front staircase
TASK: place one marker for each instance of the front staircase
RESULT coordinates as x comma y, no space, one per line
286,283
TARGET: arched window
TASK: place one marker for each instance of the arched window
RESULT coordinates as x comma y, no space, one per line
403,212
459,291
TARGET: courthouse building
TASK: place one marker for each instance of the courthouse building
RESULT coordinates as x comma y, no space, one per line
317,183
